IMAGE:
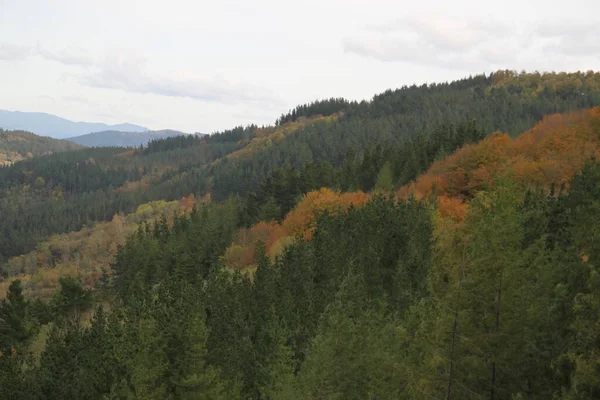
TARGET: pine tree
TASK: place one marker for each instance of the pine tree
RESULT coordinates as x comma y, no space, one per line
385,178
16,326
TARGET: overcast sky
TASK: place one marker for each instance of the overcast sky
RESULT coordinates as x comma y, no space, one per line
203,65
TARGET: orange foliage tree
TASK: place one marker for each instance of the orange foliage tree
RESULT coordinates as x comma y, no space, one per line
550,153
300,222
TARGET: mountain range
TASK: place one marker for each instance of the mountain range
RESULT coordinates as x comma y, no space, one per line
59,128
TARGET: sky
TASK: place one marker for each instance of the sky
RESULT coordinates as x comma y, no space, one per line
205,66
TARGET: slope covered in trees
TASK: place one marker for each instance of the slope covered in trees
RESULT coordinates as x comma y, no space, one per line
61,193
123,139
383,300
435,263
547,154
504,101
19,145
85,254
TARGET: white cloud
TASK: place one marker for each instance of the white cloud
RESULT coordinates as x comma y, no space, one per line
68,56
430,40
127,71
570,38
76,99
566,28
11,52
470,44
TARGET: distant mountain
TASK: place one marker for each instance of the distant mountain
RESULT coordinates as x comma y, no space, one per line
19,145
57,127
123,139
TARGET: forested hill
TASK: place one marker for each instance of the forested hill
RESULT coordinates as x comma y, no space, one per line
487,280
123,139
504,101
19,145
420,123
438,241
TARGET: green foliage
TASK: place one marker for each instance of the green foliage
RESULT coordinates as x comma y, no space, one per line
385,178
16,325
319,107
387,300
390,166
70,299
355,353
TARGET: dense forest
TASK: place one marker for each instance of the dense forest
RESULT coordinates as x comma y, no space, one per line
440,241
240,160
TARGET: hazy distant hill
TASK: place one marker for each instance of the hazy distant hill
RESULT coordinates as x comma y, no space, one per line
57,127
19,145
123,139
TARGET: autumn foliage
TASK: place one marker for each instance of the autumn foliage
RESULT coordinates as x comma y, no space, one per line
451,207
300,222
550,153
84,253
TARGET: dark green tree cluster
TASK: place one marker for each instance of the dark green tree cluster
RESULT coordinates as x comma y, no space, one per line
319,107
379,167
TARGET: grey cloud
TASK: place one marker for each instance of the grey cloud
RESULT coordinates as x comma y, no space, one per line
571,29
46,97
11,52
68,56
76,99
569,38
472,43
417,51
433,40
452,34
127,73
573,48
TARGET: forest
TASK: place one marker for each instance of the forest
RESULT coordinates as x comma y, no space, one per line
19,145
437,242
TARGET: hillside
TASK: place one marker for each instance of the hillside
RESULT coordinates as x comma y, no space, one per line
375,271
86,253
548,154
504,101
325,138
439,241
122,139
60,128
19,145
